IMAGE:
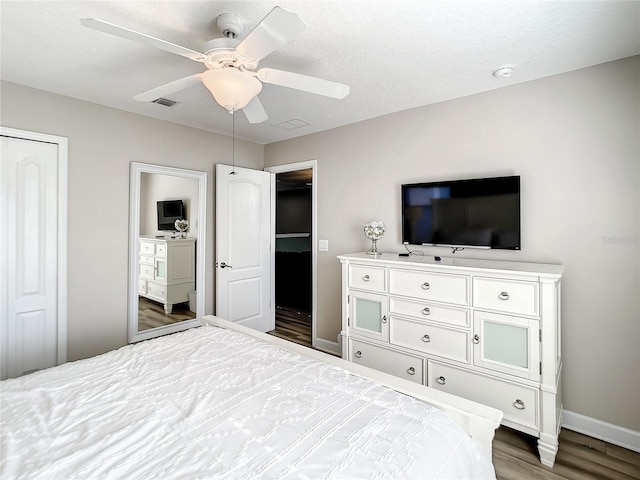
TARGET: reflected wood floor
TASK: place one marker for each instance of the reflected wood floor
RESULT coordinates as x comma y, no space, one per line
151,314
515,457
515,454
293,325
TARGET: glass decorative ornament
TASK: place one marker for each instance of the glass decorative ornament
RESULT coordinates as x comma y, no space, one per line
374,232
182,227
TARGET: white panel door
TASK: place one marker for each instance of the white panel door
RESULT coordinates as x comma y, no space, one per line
244,270
29,251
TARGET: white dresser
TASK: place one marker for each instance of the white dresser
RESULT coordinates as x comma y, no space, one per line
167,270
484,330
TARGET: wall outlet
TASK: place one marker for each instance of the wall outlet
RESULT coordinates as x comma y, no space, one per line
323,245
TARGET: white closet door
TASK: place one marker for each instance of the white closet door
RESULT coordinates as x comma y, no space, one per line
30,253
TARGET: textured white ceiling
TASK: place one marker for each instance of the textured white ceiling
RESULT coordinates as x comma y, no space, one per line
394,54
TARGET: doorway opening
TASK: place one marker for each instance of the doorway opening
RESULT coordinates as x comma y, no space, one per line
294,253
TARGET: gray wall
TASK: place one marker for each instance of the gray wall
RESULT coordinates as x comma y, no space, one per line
102,144
573,138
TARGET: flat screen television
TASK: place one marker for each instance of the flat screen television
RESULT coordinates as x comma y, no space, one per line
168,212
481,213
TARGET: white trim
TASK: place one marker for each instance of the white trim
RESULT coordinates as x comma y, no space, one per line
134,232
608,432
327,346
291,167
63,168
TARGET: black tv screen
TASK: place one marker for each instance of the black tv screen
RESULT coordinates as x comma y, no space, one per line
168,212
483,212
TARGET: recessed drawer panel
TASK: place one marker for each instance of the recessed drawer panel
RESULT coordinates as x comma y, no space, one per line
430,286
147,259
155,290
444,342
518,402
430,311
388,361
147,248
511,296
365,277
161,250
147,271
142,286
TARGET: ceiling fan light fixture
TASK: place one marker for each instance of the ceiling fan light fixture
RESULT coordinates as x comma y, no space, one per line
230,87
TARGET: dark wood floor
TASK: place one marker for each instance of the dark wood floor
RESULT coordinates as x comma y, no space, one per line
515,454
151,314
293,325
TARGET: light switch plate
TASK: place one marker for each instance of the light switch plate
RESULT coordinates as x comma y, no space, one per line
323,245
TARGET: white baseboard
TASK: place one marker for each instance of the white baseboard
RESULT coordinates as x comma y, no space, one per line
327,346
614,434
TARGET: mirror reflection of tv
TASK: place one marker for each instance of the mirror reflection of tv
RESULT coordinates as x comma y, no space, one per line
168,212
481,213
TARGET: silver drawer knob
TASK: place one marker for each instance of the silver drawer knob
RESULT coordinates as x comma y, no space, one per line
426,311
358,354
441,380
384,319
366,278
476,339
426,286
411,371
426,338
519,404
503,296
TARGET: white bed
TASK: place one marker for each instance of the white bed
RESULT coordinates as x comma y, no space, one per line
211,402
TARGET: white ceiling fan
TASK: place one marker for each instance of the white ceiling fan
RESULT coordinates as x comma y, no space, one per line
231,74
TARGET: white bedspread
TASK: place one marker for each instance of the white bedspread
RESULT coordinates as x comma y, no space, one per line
209,402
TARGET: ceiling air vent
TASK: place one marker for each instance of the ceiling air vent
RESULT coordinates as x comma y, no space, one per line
293,123
165,101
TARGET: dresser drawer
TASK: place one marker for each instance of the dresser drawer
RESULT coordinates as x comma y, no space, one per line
430,286
518,402
147,271
147,248
156,291
432,312
161,250
142,286
147,259
444,342
392,362
365,277
512,296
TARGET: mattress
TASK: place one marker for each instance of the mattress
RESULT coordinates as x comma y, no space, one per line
213,403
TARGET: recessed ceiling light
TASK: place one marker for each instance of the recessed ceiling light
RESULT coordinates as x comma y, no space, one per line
504,71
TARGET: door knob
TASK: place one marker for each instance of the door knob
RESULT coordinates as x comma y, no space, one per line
223,265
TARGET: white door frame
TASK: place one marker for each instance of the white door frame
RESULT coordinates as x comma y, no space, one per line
63,159
292,167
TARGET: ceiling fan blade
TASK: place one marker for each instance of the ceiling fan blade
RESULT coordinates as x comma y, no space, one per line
303,82
254,111
122,32
277,28
168,88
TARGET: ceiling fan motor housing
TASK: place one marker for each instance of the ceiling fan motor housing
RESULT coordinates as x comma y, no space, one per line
229,25
221,52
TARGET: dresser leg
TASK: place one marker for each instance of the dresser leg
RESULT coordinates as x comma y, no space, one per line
168,308
547,451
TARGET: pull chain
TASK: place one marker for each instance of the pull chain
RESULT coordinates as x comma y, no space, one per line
233,142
